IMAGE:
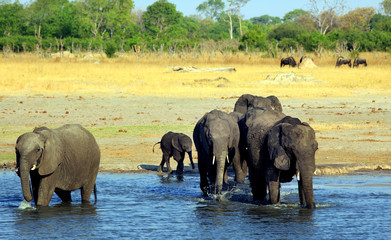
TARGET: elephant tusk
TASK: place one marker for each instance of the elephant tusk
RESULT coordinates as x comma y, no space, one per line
227,159
213,160
315,172
298,175
34,167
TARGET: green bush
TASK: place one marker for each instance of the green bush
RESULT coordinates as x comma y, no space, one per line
110,49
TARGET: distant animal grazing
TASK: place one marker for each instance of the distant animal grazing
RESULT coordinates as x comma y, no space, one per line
288,61
359,61
341,61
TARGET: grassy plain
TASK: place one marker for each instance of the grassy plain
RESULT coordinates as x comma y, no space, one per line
151,76
129,102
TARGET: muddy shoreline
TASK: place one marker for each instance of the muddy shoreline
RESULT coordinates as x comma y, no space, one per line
354,133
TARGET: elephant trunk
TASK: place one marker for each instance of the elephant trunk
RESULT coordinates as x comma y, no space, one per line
306,190
220,167
191,159
25,180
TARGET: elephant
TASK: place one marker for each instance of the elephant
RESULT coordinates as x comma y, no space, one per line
175,145
359,61
58,160
247,101
216,137
341,61
288,61
279,147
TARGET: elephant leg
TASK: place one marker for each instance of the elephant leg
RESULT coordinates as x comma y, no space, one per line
85,192
169,170
45,192
65,196
202,168
258,188
301,193
35,182
180,167
225,175
164,160
239,174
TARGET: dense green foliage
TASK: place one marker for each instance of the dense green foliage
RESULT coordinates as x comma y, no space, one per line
114,25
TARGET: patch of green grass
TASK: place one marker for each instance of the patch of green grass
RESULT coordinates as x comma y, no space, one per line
13,132
134,131
7,158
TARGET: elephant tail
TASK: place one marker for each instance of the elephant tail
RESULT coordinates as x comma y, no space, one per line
153,148
96,199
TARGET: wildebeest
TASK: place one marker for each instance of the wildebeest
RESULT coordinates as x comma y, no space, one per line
359,61
288,61
342,61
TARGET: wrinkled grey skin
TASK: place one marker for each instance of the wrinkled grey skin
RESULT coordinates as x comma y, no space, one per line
58,160
247,101
216,137
175,145
279,147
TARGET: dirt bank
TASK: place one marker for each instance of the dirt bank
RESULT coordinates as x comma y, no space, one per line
354,133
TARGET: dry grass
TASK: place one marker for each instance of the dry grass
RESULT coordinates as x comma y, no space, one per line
151,76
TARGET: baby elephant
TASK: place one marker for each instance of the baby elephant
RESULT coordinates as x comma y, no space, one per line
175,145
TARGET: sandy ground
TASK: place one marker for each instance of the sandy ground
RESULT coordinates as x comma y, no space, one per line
354,133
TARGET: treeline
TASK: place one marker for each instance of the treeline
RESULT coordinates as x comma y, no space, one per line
115,25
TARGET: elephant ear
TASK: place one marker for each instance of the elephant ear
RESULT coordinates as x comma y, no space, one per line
277,153
52,153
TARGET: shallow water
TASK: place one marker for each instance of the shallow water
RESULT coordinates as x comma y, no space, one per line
159,207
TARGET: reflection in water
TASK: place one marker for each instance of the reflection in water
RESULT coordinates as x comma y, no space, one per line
170,206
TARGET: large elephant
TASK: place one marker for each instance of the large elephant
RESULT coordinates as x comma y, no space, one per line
247,101
279,147
58,160
216,137
175,145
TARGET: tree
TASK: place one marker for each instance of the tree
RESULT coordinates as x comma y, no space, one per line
119,17
326,15
211,8
265,19
293,15
386,6
234,8
160,18
11,19
357,19
380,22
105,16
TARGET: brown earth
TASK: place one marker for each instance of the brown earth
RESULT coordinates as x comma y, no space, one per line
354,133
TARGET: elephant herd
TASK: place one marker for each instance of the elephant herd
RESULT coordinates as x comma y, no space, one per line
290,61
257,139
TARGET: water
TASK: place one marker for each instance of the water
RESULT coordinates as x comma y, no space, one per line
150,206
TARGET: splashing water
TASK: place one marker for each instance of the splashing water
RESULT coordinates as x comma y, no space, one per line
24,205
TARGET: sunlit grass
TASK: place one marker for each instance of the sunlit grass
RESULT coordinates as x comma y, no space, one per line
151,76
